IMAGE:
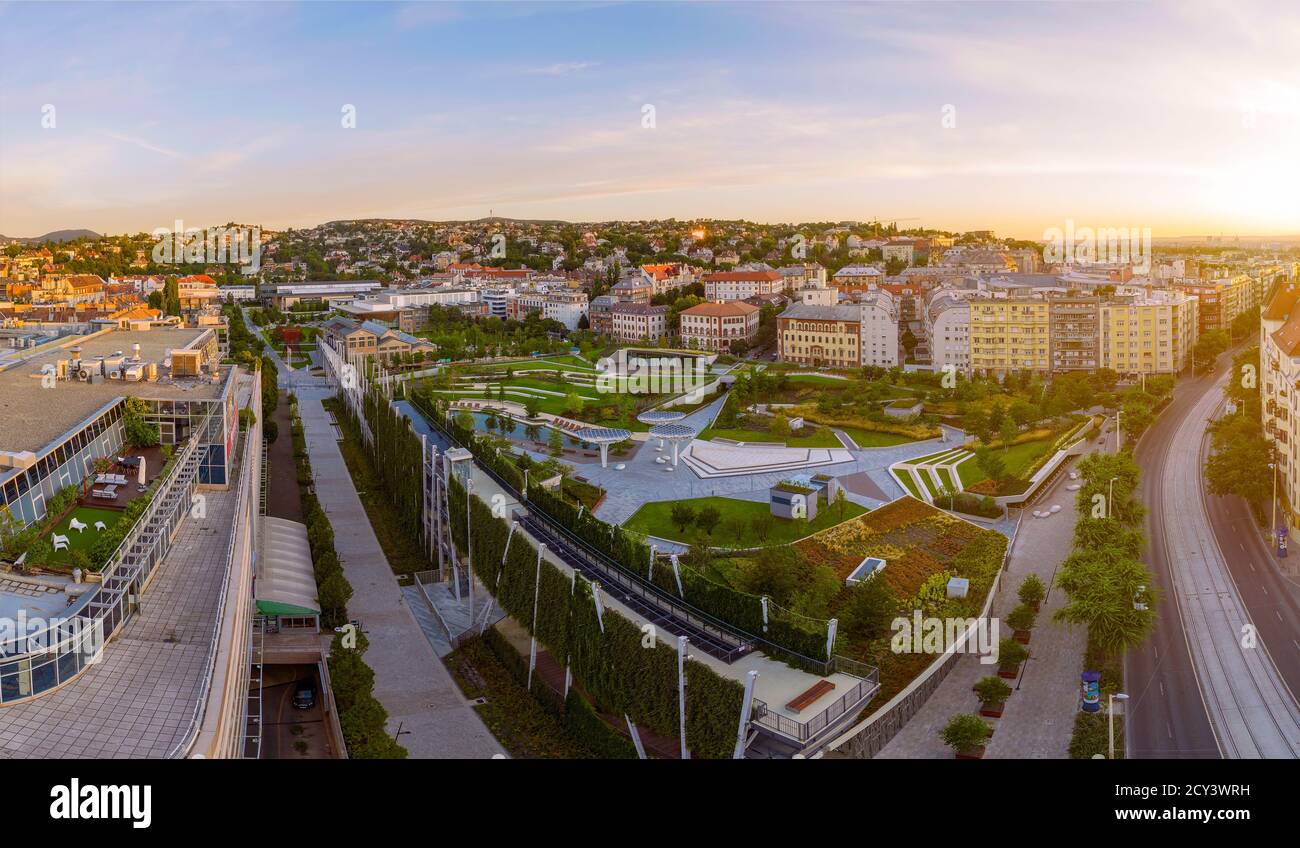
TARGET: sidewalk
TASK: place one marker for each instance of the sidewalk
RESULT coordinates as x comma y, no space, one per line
1038,718
410,681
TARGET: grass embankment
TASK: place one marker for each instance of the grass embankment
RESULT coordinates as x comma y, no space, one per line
655,519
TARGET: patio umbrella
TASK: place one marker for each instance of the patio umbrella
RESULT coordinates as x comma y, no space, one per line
140,476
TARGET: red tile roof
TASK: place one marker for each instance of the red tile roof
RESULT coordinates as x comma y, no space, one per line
1282,303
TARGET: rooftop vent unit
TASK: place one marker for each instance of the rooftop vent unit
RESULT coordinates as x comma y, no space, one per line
187,363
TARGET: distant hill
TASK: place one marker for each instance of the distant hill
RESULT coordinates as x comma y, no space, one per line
56,236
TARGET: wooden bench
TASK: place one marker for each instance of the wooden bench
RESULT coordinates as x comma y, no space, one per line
821,687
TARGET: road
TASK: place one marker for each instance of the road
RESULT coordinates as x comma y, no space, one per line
1197,691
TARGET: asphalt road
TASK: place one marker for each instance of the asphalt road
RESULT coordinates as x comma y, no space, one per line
1167,716
1196,666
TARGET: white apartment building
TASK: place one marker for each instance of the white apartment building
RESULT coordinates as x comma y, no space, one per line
947,329
879,329
741,285
567,307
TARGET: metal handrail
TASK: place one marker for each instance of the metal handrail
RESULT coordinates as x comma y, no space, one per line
862,692
632,581
245,483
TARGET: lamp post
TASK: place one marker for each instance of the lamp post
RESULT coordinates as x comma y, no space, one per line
469,544
1121,697
1118,432
1110,497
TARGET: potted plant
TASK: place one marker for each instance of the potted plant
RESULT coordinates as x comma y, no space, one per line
993,694
1021,619
1010,655
1032,591
966,734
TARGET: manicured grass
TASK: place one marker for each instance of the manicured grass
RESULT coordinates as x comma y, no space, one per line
927,482
945,477
969,472
823,438
819,381
909,483
84,540
655,519
1020,457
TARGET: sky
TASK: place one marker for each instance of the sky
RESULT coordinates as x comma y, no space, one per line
1017,117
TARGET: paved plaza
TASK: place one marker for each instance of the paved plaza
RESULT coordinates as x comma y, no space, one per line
1038,718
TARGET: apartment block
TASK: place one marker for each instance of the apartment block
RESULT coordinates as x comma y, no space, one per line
1151,334
879,329
1279,384
1010,334
634,322
820,335
1075,332
740,285
946,322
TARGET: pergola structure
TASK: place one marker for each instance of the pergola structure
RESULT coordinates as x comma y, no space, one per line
660,416
602,436
675,433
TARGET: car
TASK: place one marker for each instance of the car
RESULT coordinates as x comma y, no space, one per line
304,697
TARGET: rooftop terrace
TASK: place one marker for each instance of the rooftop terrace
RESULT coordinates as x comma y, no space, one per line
32,416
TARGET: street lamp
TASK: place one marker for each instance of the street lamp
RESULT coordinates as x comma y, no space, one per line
1121,697
1110,497
469,544
1118,433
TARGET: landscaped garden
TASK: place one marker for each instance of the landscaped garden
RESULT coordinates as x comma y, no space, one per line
731,523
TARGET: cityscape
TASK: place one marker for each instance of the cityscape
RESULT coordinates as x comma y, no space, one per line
545,396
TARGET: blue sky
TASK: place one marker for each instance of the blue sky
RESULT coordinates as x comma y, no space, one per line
1184,118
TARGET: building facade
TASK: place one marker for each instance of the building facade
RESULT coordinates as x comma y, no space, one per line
818,336
879,329
636,322
1009,334
715,326
739,285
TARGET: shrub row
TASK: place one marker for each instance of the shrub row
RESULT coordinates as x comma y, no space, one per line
361,716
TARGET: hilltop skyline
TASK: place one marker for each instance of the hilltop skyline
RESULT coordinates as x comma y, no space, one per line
1178,121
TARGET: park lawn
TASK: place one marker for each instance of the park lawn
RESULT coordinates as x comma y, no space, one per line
819,381
969,472
874,439
927,482
655,519
909,483
823,438
945,477
1020,457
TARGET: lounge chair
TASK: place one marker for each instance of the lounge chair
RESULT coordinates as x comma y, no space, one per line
60,542
101,526
77,525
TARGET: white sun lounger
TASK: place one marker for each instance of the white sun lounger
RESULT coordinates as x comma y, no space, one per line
77,525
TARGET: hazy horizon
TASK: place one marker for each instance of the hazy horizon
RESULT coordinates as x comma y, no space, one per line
1172,117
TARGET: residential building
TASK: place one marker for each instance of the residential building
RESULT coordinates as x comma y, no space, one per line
1279,385
879,329
739,285
370,338
715,326
1075,331
1148,334
1009,334
600,314
946,323
638,322
820,335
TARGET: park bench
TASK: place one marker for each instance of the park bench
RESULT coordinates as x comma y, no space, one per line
821,687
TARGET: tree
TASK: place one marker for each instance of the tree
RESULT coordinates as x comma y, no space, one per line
965,733
139,433
1239,462
735,527
707,519
762,526
1105,588
841,502
1032,591
1007,433
779,427
992,464
977,424
555,442
869,608
682,515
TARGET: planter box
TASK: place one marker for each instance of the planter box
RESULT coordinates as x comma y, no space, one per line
1021,636
1008,674
992,710
977,754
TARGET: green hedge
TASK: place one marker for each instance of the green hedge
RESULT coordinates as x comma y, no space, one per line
613,666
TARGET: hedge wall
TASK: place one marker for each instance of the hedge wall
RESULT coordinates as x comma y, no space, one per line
739,609
613,666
